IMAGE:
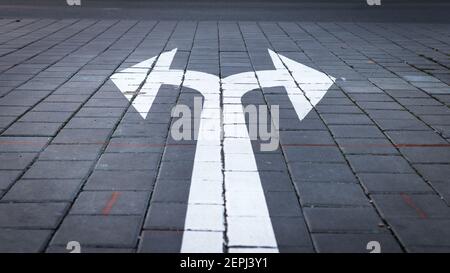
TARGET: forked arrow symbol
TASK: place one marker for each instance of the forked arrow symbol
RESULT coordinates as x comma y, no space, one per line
245,202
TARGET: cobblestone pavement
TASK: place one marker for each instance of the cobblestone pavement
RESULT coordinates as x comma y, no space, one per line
371,162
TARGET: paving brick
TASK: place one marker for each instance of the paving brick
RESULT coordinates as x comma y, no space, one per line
275,181
427,154
291,231
171,191
57,117
393,183
31,215
94,231
340,220
7,178
166,216
313,154
82,136
58,169
283,204
321,172
352,119
366,146
291,138
71,152
415,137
183,170
160,241
43,191
127,161
23,240
434,172
355,131
379,164
331,194
414,232
411,206
354,243
111,203
139,130
62,249
136,145
16,161
121,180
401,124
22,144
33,129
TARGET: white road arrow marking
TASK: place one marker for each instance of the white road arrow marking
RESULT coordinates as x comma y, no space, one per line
248,219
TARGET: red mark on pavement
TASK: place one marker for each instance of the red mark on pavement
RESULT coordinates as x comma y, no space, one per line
107,209
408,200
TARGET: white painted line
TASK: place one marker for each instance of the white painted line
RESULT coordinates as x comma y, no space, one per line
249,223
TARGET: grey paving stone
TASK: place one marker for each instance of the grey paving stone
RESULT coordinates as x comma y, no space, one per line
111,203
366,146
427,154
270,162
62,249
283,203
171,191
355,131
275,181
121,180
136,145
160,241
95,231
313,154
414,232
331,194
31,215
22,144
82,136
434,172
43,191
91,123
71,152
379,164
326,172
354,243
292,138
393,183
139,130
377,109
436,119
415,137
411,206
401,124
23,240
183,170
182,152
7,178
352,119
291,231
16,161
296,249
56,107
6,121
128,161
13,111
340,220
57,117
58,169
100,112
166,216
33,129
